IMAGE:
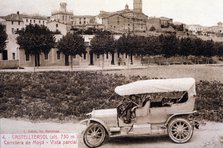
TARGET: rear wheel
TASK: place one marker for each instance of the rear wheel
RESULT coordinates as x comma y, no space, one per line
94,135
180,130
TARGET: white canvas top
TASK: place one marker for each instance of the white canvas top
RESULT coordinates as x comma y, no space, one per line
158,86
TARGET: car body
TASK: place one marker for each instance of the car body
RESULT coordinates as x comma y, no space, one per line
155,116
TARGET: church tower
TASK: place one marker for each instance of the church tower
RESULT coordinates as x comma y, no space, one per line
137,6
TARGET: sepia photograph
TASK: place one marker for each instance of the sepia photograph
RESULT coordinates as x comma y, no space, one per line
111,74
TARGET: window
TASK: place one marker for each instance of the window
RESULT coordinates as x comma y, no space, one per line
58,55
43,22
12,22
46,55
13,31
39,21
27,20
27,57
84,22
34,21
30,21
56,25
18,22
13,56
80,22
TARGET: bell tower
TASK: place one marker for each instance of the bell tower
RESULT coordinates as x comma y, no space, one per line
137,6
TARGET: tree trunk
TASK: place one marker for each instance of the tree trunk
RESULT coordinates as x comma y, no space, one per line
131,56
141,59
103,60
66,60
113,59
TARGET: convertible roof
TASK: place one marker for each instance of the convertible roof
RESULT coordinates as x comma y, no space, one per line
158,86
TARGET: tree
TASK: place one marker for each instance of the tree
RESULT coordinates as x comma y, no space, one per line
71,45
153,46
3,38
102,44
219,49
170,45
127,44
35,39
209,50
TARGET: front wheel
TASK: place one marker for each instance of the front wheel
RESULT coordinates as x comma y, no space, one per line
180,130
94,135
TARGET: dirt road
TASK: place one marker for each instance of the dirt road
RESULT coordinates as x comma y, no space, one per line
208,136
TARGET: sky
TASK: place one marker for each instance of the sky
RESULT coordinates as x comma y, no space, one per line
203,12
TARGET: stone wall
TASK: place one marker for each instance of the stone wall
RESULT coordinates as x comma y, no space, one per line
9,64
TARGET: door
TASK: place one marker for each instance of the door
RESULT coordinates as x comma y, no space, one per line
66,60
91,58
5,55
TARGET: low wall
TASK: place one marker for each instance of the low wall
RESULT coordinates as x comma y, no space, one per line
9,64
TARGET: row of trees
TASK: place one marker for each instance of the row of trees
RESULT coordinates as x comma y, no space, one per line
39,39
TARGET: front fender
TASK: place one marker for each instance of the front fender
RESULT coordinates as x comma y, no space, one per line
92,120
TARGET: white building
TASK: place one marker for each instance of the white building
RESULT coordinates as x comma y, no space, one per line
58,27
195,28
62,15
15,22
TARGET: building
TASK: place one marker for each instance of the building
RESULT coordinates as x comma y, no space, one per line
15,22
62,15
126,20
58,27
137,6
195,28
62,21
34,19
220,24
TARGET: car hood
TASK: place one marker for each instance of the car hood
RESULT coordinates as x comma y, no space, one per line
104,113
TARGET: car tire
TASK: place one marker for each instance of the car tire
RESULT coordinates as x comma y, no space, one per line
95,135
180,130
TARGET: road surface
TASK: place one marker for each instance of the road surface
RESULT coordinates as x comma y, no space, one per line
208,136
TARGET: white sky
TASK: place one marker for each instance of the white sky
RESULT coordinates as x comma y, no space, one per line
204,12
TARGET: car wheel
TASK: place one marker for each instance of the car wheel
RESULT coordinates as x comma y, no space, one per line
94,135
180,130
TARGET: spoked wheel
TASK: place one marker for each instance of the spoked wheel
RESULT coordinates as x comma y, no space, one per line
94,135
180,130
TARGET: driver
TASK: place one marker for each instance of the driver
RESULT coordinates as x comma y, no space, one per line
133,102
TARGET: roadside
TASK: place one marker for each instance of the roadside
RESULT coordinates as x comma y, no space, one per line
208,136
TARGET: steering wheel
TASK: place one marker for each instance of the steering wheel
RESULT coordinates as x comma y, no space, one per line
122,109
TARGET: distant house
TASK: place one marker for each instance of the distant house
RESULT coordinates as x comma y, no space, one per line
58,27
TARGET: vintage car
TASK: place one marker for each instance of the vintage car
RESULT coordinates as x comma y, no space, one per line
167,108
